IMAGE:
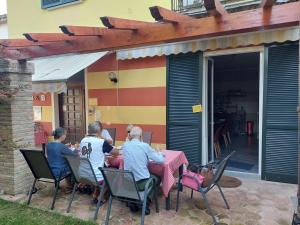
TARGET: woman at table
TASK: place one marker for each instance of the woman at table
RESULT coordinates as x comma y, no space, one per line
136,157
55,152
104,134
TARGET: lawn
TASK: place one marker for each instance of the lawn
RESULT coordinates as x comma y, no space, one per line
19,214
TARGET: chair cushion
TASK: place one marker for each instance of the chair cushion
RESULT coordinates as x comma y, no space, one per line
192,180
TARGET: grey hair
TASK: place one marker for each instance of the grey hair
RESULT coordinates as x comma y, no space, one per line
129,127
93,128
136,132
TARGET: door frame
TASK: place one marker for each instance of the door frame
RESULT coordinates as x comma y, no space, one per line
206,55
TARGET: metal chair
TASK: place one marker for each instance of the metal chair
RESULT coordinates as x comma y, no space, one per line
83,172
122,186
147,137
204,190
112,132
40,169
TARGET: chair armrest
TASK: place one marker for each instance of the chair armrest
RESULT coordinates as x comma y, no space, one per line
192,177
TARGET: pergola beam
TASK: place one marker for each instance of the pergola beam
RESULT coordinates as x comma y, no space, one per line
168,16
48,37
278,16
123,24
82,31
267,3
214,8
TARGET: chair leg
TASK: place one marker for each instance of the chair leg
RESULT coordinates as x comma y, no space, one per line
72,197
155,199
32,189
54,194
208,207
177,200
99,201
223,196
108,210
143,210
192,194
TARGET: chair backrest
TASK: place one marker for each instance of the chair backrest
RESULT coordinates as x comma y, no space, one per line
147,137
121,183
38,164
220,169
112,133
82,170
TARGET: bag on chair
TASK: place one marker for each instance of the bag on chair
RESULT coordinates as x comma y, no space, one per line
208,175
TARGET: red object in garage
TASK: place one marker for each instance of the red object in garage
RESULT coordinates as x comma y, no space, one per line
40,135
250,125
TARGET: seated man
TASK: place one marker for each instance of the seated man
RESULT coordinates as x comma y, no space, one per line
55,152
93,148
136,157
104,134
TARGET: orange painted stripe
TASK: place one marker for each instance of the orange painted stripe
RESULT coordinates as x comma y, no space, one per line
37,99
158,132
109,63
47,126
155,96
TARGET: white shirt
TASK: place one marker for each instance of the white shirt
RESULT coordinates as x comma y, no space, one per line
105,134
94,148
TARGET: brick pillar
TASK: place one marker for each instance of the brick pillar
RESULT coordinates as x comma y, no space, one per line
16,125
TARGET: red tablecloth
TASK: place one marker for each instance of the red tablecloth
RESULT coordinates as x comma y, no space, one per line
173,160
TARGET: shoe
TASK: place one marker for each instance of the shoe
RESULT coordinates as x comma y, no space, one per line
133,207
147,211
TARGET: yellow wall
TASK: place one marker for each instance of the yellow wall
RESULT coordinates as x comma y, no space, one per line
26,16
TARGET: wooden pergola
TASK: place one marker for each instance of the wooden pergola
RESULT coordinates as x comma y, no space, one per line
168,27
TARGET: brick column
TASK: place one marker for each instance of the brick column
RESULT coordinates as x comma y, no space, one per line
16,125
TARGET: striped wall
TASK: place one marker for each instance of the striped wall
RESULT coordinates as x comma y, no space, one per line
138,98
46,107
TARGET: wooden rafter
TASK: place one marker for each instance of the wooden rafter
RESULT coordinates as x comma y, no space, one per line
48,37
278,16
267,3
123,24
214,8
83,31
165,15
18,43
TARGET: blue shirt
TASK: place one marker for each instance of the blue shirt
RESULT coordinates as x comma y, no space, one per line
136,158
55,153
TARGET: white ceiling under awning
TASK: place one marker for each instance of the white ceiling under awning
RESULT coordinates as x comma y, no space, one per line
62,67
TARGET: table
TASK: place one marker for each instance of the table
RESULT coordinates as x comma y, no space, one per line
173,160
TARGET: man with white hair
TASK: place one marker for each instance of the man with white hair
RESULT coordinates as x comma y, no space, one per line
93,148
136,157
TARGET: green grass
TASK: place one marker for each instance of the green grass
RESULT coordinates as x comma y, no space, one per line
19,214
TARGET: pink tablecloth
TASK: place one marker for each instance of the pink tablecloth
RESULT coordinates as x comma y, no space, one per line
173,160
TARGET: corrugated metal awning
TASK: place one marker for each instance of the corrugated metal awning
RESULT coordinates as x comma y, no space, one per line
51,73
233,41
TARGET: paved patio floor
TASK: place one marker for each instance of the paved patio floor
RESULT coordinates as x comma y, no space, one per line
253,203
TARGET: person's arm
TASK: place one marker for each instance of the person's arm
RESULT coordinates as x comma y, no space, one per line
107,148
155,156
67,151
106,136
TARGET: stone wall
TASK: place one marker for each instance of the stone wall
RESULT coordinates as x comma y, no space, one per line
16,125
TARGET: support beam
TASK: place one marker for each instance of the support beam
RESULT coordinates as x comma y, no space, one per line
17,43
214,8
168,16
83,31
123,24
48,37
267,3
279,16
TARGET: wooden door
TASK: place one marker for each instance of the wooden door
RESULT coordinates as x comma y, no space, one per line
72,113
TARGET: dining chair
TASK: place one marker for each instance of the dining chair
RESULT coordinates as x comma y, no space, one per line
122,187
147,137
194,181
112,132
41,170
83,172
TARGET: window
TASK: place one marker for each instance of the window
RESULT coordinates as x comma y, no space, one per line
52,3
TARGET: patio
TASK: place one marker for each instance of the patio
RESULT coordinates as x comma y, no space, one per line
253,203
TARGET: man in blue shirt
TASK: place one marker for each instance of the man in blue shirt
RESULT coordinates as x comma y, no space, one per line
136,158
